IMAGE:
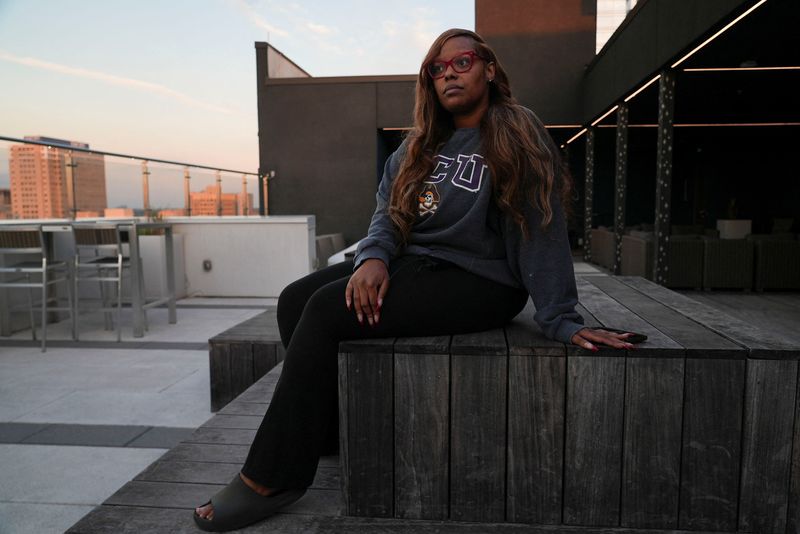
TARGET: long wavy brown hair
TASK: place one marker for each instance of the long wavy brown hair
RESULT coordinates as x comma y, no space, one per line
524,163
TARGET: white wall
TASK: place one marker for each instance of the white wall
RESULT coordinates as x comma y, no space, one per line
250,256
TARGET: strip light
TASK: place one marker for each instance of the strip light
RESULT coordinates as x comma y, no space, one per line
642,88
577,135
707,124
607,113
720,32
726,69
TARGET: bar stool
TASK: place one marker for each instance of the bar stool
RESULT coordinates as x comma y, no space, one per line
101,257
27,242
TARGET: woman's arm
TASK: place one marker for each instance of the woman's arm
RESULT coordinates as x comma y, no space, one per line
370,280
545,266
381,241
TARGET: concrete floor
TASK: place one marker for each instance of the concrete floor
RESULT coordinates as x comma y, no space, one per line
53,404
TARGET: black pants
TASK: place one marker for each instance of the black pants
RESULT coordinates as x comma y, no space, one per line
426,297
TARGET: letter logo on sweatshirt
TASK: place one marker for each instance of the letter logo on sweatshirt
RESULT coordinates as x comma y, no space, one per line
468,175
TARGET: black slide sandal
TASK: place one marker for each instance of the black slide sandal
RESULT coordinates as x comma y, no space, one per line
236,506
635,338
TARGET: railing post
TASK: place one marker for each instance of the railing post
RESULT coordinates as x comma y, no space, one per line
146,189
266,177
69,167
243,202
187,197
219,194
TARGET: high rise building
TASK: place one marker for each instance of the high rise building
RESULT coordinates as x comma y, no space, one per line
39,188
205,202
5,203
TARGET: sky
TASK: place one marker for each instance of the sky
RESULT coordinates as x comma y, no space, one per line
176,79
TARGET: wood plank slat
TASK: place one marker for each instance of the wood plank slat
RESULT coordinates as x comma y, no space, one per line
537,392
139,519
525,338
698,340
188,496
223,436
593,440
486,343
421,429
767,445
265,357
206,452
367,401
219,364
613,314
759,344
712,433
241,366
652,442
793,519
478,431
234,421
244,408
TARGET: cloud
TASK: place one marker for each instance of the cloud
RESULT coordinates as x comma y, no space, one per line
321,29
140,85
256,19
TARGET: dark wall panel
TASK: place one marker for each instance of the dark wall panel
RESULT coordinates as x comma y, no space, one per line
320,139
395,104
657,32
547,78
544,47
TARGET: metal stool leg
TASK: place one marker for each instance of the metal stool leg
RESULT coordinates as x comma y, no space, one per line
30,307
44,308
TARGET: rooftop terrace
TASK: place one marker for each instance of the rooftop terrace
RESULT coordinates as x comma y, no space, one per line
84,418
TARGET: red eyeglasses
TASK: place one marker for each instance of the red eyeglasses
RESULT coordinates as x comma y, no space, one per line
461,64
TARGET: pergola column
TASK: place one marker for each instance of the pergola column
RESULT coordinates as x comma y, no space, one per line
588,196
620,179
666,115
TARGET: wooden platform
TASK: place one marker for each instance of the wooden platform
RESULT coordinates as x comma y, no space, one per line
696,429
691,345
241,355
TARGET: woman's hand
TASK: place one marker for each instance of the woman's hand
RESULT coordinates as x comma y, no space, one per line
366,289
588,338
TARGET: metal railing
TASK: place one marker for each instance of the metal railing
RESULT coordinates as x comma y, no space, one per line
72,155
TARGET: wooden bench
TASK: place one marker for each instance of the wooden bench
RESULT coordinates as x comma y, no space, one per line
241,355
696,429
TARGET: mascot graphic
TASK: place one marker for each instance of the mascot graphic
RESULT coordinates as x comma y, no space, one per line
428,200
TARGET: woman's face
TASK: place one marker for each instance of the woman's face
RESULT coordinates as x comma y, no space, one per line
461,93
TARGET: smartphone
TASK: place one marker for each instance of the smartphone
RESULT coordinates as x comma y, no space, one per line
635,338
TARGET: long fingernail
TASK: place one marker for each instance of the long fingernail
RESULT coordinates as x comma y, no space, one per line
595,349
380,303
360,318
369,319
377,317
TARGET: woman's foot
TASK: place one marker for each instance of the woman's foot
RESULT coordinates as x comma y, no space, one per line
207,511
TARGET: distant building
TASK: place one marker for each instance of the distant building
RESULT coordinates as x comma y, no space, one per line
39,179
117,213
174,212
205,202
88,214
5,203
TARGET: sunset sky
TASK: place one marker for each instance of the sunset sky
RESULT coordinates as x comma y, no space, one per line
176,79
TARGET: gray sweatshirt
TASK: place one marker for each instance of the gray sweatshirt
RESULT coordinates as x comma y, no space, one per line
458,221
